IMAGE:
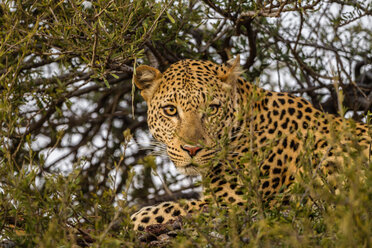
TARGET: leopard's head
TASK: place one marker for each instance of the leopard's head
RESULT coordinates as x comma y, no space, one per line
189,107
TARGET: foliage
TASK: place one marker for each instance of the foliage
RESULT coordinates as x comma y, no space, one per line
67,163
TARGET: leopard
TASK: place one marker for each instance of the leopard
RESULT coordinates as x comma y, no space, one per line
200,110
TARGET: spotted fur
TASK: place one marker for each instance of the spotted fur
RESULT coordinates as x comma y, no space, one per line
201,110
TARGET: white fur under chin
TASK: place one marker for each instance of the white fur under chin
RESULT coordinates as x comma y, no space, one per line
188,170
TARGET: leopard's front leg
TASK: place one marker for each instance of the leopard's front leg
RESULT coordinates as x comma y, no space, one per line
164,212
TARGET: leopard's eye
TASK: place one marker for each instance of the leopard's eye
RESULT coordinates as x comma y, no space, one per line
169,110
213,109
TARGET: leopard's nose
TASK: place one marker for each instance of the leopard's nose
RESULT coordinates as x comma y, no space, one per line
191,150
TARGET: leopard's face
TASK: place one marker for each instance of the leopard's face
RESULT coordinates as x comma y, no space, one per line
188,113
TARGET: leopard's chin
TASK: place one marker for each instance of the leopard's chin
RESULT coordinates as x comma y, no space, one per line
190,169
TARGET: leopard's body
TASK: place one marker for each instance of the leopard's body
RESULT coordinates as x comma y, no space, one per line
200,109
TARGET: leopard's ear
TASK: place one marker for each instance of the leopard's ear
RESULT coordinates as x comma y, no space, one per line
230,72
147,80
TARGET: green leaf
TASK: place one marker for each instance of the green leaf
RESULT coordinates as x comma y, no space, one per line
106,83
170,18
114,75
